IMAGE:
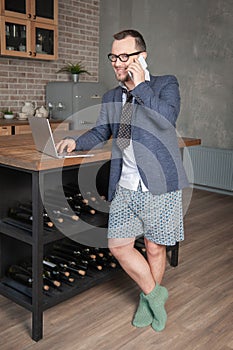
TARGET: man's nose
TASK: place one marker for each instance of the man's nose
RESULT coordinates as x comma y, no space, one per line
118,62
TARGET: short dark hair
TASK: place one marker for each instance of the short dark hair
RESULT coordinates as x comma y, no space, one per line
139,40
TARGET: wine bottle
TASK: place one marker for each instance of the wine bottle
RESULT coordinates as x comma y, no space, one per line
76,198
71,261
24,279
59,258
28,268
59,210
67,280
107,262
83,208
54,268
56,217
18,274
65,215
27,207
76,270
75,251
19,269
69,266
105,257
94,264
26,217
50,281
77,202
98,257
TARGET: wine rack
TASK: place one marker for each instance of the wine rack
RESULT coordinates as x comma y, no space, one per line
29,238
63,272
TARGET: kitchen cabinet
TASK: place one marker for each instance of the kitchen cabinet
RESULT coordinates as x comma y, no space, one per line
5,130
16,127
29,28
26,129
80,103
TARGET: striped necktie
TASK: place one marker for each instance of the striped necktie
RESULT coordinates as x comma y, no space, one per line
124,133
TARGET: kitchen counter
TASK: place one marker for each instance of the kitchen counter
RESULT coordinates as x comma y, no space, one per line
16,122
19,151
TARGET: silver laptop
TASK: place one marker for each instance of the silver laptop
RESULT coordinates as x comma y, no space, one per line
44,141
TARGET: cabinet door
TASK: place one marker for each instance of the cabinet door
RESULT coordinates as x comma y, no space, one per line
28,28
22,129
44,40
28,40
15,37
45,11
19,8
5,130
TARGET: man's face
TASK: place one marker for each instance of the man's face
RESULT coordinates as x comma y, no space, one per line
127,46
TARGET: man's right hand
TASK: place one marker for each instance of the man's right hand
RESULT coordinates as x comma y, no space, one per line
67,145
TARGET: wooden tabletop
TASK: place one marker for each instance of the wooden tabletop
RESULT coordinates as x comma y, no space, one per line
19,151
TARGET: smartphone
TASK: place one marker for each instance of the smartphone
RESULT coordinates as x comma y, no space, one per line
142,62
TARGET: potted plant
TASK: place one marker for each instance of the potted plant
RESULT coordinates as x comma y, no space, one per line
75,69
8,114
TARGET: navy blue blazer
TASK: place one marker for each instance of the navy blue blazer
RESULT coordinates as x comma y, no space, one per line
154,138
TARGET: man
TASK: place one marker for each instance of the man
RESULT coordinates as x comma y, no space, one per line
146,175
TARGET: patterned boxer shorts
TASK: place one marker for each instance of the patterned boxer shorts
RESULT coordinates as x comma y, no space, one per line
158,217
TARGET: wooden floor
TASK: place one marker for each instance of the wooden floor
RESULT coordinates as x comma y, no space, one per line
200,306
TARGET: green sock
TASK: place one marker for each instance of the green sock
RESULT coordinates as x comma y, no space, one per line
156,300
143,316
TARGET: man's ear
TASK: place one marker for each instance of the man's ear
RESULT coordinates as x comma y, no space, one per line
144,54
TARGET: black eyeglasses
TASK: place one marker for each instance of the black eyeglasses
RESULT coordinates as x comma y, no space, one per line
122,57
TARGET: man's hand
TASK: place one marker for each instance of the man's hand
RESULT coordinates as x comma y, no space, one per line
67,145
138,72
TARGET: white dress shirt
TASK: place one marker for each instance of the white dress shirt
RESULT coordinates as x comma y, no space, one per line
130,177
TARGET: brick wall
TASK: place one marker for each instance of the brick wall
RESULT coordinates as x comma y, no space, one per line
78,40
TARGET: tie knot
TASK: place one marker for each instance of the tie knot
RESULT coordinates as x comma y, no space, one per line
129,96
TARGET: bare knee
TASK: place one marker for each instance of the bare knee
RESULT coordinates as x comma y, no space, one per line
121,251
118,252
154,250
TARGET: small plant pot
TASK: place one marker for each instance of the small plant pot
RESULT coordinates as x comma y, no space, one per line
75,78
8,116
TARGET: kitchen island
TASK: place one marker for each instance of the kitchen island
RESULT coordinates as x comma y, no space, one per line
27,175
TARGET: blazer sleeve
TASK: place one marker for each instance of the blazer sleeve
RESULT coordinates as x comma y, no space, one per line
98,135
163,97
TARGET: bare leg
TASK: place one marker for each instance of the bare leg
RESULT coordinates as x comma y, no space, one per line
156,256
134,264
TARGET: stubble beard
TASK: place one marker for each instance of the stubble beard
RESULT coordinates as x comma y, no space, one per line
123,79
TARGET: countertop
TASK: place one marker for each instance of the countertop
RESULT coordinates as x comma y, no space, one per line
19,151
15,121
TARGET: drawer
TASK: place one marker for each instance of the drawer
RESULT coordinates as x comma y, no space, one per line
26,129
5,130
60,127
22,129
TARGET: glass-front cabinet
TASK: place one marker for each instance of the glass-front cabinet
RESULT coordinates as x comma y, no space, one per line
28,28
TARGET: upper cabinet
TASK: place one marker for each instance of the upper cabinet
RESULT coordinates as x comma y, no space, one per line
28,28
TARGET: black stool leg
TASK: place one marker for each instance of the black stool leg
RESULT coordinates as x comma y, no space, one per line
174,255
